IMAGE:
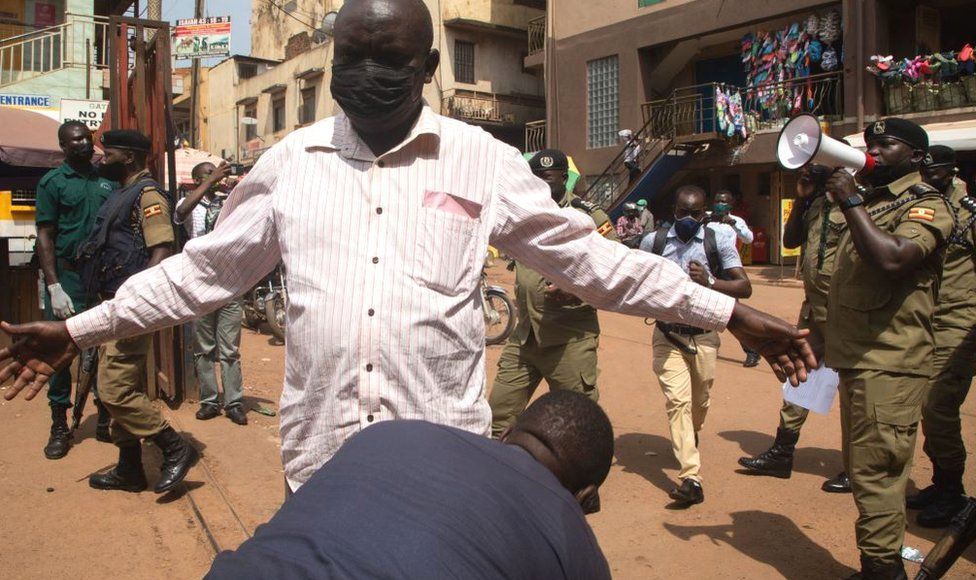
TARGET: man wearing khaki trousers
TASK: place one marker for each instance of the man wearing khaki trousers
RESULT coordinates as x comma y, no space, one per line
684,356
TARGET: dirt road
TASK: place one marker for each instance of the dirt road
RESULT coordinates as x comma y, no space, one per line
54,525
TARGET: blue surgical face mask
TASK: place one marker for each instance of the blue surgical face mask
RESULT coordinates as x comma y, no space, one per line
686,228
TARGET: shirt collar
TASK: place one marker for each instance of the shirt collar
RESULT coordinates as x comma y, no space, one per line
902,184
69,171
136,177
342,137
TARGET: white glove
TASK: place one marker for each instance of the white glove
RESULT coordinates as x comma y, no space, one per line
61,302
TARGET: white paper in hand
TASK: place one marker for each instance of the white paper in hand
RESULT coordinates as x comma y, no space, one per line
817,393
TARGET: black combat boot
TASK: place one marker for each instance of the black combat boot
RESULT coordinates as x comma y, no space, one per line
60,441
178,457
873,570
777,461
127,475
949,499
104,421
840,483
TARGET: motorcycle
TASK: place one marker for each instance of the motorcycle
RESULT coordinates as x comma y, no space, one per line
499,312
268,302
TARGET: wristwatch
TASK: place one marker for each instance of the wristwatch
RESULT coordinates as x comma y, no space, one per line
852,201
710,280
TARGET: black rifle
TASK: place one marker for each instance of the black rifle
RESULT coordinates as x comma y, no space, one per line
959,535
87,370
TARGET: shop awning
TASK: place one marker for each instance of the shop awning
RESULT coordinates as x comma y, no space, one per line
960,135
28,139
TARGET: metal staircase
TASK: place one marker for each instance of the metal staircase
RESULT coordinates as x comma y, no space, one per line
80,42
674,129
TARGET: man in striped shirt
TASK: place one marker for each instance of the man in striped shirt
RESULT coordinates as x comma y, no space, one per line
382,215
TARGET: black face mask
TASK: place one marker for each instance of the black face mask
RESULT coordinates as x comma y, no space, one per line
369,89
112,171
81,152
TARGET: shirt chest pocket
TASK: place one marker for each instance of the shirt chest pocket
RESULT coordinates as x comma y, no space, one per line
72,198
446,251
865,309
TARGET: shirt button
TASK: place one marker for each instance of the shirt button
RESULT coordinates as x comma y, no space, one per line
369,368
381,163
379,210
376,260
369,418
370,312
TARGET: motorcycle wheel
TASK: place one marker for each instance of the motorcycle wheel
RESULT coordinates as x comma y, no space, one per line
275,308
499,316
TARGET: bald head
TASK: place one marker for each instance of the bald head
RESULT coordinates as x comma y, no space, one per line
383,59
403,27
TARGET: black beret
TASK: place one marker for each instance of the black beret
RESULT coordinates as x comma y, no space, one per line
548,159
901,129
126,139
939,155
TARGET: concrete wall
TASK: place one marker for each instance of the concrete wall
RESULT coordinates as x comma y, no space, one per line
500,12
657,25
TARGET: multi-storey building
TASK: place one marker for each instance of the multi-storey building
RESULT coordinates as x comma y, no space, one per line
707,84
254,101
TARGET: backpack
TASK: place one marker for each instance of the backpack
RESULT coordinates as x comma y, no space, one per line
711,249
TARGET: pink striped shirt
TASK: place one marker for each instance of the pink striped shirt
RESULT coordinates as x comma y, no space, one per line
383,258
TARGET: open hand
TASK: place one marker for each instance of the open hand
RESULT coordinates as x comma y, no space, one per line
39,350
783,346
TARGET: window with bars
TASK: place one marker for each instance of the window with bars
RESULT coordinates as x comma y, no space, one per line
307,112
278,113
464,61
602,102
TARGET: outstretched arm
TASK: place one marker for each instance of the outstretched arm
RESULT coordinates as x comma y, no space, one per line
564,247
210,271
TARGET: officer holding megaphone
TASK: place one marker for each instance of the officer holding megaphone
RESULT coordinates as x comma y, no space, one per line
879,334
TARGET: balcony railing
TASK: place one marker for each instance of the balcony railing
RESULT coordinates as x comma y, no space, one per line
903,98
537,34
696,110
535,135
492,108
81,41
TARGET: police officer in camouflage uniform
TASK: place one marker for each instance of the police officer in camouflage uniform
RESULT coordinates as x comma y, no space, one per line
815,224
557,335
955,348
132,232
68,197
879,332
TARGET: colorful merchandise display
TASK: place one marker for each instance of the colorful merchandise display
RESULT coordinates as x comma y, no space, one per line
925,82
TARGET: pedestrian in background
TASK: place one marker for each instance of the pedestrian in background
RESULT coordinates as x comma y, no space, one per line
68,199
629,228
646,217
133,231
955,348
217,335
685,355
632,151
815,224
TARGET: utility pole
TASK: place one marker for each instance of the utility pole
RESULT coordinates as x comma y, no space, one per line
194,83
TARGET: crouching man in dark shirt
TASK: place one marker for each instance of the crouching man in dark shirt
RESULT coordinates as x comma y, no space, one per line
410,499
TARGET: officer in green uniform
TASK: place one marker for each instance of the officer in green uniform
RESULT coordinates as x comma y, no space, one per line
68,198
557,335
879,331
133,231
815,224
955,348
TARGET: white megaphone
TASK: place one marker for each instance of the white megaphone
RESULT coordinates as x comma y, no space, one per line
802,141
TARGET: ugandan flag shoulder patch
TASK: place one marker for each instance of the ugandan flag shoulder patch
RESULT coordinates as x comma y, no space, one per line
605,229
153,210
921,213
